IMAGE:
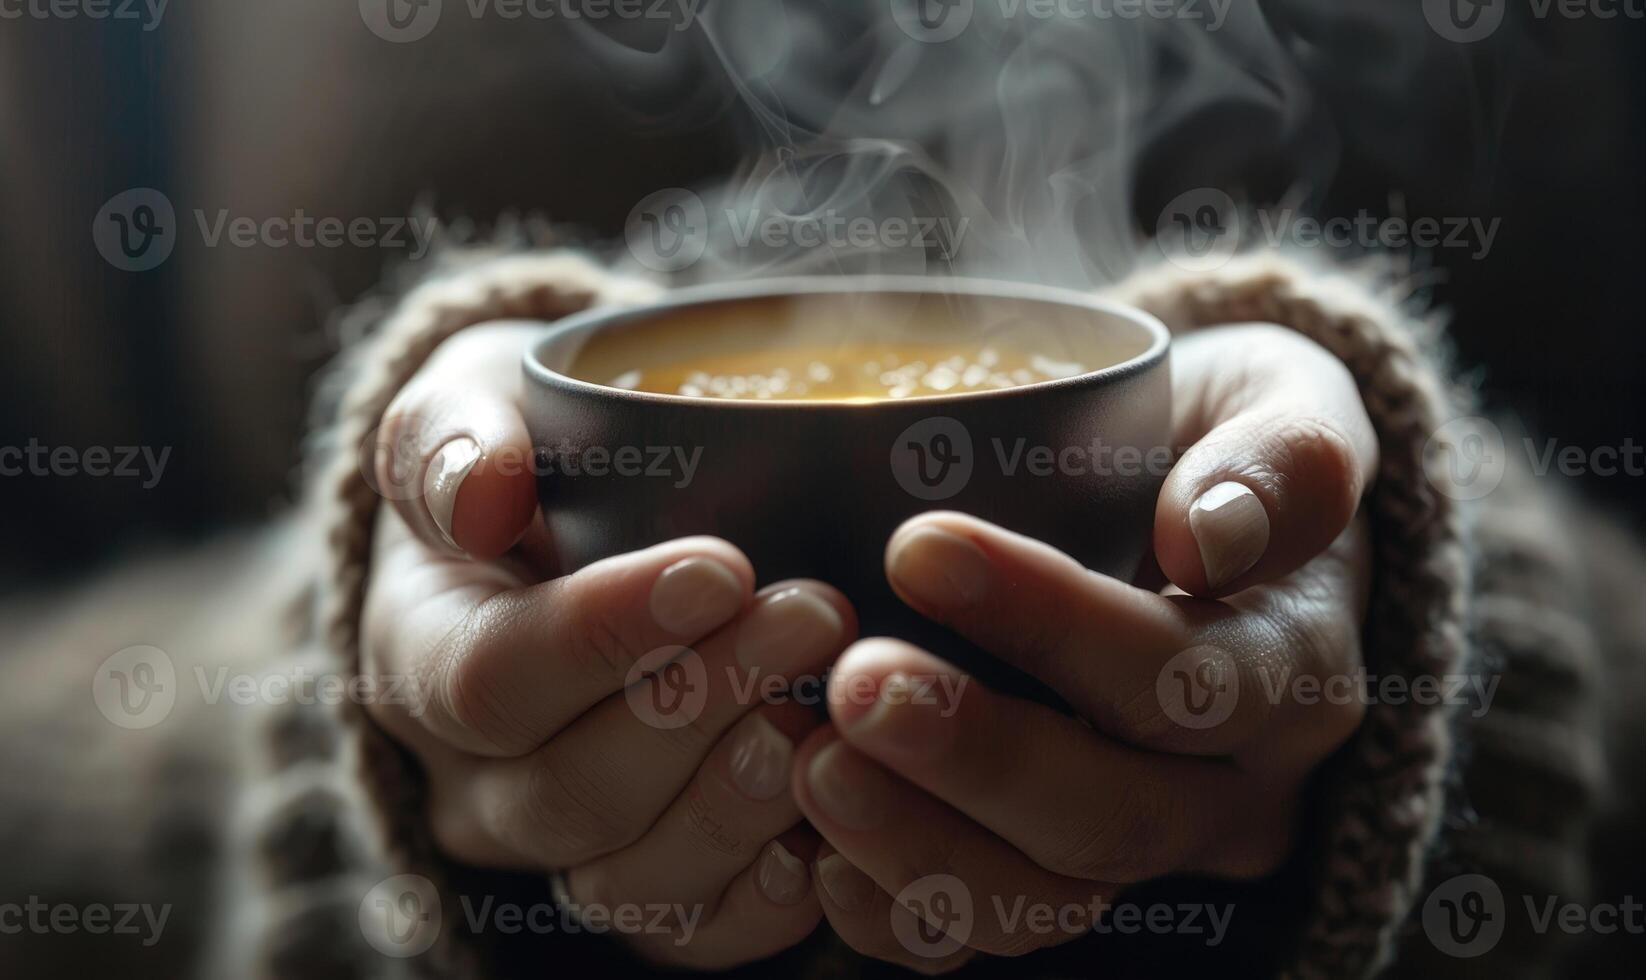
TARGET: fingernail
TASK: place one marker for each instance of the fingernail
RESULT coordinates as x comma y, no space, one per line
782,876
760,760
853,806
1232,530
695,595
789,628
447,471
939,568
848,887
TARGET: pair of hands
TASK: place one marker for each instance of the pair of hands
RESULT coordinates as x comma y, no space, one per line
757,819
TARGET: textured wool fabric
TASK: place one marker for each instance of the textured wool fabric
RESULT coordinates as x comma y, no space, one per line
1387,792
1383,800
266,827
535,287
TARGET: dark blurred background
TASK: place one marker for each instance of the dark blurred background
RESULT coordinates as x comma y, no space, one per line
265,108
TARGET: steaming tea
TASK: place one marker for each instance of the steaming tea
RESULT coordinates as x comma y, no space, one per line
850,372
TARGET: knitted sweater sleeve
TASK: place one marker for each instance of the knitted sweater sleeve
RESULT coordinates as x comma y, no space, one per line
1384,799
1462,802
374,818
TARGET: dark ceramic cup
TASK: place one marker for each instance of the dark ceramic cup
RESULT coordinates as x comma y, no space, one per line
815,488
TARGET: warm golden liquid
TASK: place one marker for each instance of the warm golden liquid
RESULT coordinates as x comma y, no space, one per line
853,372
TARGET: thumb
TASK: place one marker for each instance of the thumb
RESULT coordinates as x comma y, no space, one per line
1287,453
454,446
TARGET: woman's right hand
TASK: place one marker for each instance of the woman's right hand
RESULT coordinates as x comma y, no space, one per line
538,714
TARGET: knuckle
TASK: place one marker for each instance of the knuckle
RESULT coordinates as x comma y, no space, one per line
693,740
578,812
476,693
606,640
711,830
1323,648
1038,645
1142,719
1118,847
1295,630
1047,641
602,642
1318,448
474,707
1290,638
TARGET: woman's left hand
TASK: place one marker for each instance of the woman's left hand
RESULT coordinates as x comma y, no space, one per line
1209,702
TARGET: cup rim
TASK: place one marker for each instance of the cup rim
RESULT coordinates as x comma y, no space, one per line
587,321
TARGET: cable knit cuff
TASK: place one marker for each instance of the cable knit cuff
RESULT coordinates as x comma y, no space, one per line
1385,794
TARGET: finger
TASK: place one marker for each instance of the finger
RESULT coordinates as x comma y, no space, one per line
601,783
1098,642
900,836
500,669
720,825
1176,675
1295,646
1282,451
769,907
1077,803
453,454
871,922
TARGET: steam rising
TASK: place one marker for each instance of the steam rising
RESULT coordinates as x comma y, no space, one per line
1013,147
